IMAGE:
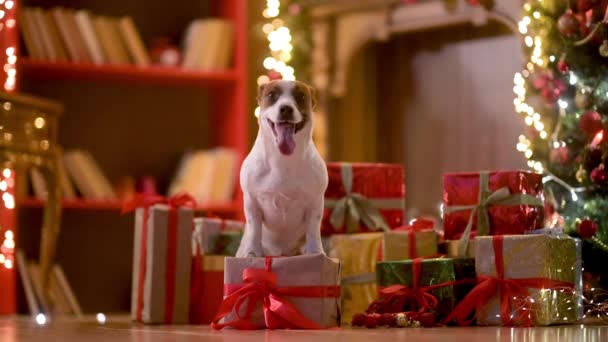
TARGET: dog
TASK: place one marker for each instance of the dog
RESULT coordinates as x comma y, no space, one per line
284,177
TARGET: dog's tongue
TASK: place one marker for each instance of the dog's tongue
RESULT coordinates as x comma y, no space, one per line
285,133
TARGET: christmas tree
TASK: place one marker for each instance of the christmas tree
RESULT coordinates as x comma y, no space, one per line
563,96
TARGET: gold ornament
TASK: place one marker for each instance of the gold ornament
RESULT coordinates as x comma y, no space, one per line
581,175
402,320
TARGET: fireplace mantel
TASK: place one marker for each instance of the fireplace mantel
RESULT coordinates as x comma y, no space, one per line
341,27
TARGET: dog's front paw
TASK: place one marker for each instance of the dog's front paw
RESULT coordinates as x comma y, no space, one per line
313,250
250,251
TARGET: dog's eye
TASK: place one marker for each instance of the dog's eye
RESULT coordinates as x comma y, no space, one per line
300,98
272,96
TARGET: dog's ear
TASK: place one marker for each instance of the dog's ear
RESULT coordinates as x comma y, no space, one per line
313,97
260,93
311,93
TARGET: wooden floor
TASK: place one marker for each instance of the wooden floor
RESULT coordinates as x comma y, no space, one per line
120,330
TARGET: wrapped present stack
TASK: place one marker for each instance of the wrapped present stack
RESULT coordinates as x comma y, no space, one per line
213,239
363,202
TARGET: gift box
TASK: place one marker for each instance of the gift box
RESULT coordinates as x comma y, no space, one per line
280,293
525,280
216,236
207,287
410,242
491,203
423,285
362,197
451,248
358,254
162,261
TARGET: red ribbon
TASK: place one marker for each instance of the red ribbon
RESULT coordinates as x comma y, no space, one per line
512,293
261,285
419,225
146,201
412,298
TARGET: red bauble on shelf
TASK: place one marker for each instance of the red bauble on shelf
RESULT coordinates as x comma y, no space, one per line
590,123
563,66
587,228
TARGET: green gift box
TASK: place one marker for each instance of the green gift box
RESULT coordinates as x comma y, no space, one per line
215,236
434,272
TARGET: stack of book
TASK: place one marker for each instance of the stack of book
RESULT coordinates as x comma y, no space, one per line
208,175
208,44
78,172
62,35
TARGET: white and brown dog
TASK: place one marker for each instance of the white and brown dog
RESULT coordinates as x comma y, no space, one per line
284,177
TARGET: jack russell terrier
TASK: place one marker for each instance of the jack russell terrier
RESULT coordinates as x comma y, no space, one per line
284,177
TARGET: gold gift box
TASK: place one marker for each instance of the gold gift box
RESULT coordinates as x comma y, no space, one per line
358,254
452,247
535,256
396,245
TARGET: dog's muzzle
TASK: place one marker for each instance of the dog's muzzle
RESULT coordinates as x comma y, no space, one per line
284,133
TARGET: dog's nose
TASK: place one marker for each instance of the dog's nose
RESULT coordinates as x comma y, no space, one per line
286,113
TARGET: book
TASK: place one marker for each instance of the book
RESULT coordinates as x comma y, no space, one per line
38,183
208,54
225,173
53,30
110,40
226,46
26,281
133,41
85,25
192,43
76,35
59,18
31,38
43,31
87,175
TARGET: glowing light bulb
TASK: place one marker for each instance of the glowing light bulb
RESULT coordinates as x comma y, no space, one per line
40,319
101,318
9,235
6,172
529,41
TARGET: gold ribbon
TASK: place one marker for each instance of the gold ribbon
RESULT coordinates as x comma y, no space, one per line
354,207
501,196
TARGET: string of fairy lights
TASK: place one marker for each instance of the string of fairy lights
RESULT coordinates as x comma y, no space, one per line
279,44
531,116
7,15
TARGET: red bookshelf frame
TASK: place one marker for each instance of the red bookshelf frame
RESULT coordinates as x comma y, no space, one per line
116,205
157,75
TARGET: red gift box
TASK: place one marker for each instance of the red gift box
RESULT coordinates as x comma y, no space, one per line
510,202
363,197
207,287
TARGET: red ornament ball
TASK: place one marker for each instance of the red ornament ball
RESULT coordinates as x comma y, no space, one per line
427,319
587,228
599,175
358,320
568,24
371,321
563,66
590,123
387,319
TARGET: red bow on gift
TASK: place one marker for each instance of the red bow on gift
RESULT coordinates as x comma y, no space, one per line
513,294
261,285
146,201
415,298
419,225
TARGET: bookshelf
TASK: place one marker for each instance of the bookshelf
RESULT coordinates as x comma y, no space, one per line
136,121
152,75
